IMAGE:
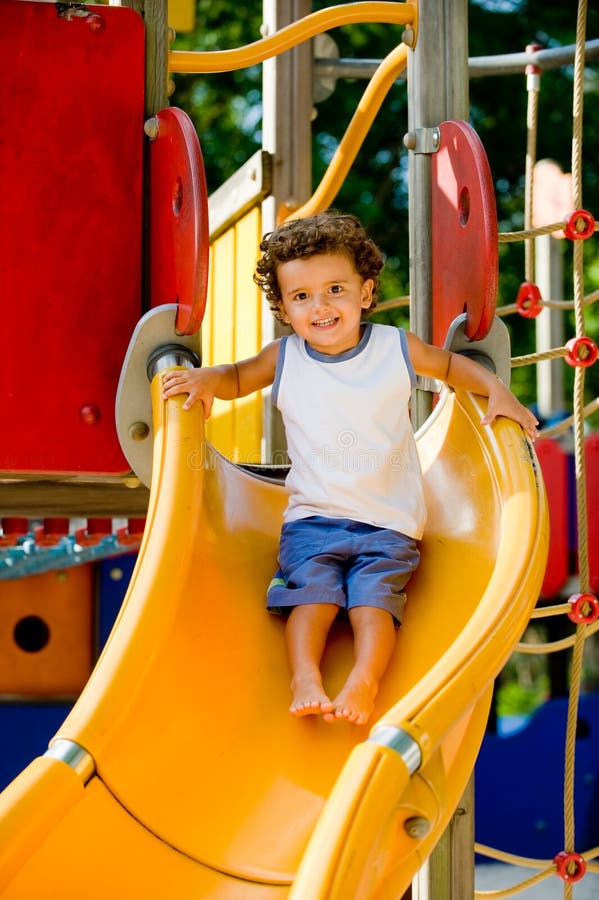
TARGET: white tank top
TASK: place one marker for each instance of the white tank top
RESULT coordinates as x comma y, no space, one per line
349,435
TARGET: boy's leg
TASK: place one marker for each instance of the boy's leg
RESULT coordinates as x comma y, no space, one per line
374,642
306,633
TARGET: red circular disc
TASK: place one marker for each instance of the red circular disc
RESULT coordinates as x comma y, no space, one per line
464,233
179,233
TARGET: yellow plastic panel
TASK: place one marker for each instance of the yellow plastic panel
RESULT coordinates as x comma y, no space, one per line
30,808
186,713
182,15
111,855
232,331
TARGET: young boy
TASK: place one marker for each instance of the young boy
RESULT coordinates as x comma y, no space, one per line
356,510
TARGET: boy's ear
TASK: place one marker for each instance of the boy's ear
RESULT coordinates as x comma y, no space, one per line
367,289
282,314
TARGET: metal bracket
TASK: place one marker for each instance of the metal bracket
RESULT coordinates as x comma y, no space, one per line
493,351
423,140
133,412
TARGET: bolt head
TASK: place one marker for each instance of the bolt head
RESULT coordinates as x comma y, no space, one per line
90,414
417,826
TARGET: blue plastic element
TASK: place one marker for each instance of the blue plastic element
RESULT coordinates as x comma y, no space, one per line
28,558
113,579
25,730
519,782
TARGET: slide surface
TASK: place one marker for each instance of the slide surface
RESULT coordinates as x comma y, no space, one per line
193,780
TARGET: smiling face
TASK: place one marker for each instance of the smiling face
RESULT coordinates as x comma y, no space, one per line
322,299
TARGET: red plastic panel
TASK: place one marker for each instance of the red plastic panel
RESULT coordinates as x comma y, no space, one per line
71,120
591,456
179,235
554,465
464,233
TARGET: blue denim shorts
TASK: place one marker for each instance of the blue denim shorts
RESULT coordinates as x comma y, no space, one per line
342,562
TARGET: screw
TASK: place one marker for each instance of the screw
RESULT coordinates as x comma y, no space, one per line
408,37
151,128
90,414
139,431
417,826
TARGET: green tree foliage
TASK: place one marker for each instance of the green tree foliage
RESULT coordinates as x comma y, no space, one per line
226,109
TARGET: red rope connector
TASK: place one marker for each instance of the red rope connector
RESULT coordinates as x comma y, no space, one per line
584,609
96,531
580,225
582,351
13,528
132,533
570,866
51,532
529,301
532,68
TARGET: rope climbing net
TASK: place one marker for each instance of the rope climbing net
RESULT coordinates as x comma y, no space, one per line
580,351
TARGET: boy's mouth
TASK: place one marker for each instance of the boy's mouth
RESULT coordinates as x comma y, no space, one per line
325,323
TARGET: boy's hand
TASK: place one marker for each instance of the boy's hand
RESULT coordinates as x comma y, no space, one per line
503,403
198,384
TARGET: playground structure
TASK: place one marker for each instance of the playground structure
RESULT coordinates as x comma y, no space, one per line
436,718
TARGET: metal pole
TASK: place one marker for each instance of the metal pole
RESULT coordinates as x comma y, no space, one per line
437,91
549,270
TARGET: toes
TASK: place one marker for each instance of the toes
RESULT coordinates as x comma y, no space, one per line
349,714
306,709
312,707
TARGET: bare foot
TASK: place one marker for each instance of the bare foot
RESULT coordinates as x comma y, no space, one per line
309,698
355,703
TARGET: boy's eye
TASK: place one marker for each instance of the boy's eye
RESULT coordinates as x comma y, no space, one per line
301,295
336,288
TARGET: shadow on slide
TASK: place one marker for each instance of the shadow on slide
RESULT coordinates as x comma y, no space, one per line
180,773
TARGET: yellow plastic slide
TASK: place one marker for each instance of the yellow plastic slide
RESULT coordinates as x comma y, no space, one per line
180,772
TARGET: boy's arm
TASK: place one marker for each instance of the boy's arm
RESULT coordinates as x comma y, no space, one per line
227,382
465,374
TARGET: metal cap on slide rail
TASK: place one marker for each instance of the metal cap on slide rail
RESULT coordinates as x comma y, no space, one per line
168,355
75,756
401,742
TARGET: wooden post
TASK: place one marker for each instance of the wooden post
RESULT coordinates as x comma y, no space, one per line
449,873
287,135
437,91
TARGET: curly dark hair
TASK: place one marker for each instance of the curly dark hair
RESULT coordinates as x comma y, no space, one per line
327,232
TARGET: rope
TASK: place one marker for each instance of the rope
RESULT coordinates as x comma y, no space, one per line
510,237
554,646
531,862
550,304
576,422
546,867
515,889
518,361
565,424
583,560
